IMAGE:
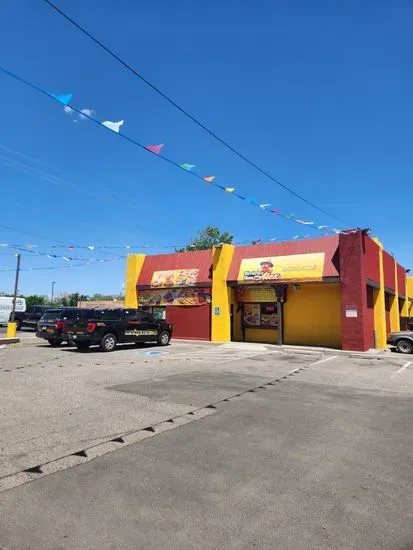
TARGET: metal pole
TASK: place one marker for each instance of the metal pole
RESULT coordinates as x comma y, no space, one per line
16,286
53,283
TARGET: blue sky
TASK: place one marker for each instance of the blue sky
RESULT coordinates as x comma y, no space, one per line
318,94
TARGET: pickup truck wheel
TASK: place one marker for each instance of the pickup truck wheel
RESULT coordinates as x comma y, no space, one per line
404,346
83,346
55,343
108,342
164,338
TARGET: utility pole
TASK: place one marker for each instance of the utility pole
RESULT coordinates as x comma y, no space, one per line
16,286
53,283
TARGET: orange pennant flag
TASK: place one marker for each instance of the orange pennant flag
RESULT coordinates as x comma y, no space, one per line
209,179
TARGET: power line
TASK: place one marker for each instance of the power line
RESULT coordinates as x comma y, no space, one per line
188,115
168,160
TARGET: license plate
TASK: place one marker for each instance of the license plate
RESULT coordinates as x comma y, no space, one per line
50,330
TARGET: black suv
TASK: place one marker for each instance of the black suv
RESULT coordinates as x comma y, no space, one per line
30,317
51,325
107,327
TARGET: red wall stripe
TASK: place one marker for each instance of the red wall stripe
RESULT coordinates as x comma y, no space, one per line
389,271
190,322
201,259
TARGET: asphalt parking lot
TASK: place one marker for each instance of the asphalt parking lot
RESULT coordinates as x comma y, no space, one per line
204,446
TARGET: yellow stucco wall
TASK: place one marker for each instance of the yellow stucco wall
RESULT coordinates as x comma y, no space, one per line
408,308
394,308
379,305
312,315
237,320
409,287
261,335
134,265
221,294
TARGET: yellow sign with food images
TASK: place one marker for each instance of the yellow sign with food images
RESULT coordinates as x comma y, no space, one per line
175,297
174,278
297,267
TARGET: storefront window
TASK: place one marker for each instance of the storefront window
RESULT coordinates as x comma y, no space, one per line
260,315
158,312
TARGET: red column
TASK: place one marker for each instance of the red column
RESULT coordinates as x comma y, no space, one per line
357,320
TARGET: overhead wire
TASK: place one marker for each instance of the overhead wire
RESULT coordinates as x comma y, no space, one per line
158,155
193,118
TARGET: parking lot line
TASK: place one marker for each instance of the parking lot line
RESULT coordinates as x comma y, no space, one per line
241,357
401,369
324,360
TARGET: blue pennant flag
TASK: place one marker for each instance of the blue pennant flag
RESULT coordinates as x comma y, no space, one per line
187,166
64,99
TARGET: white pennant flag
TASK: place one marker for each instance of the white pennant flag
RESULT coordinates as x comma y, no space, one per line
114,126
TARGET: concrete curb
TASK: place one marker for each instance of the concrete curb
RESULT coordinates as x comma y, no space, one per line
9,341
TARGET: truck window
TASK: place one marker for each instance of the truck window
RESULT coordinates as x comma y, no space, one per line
131,315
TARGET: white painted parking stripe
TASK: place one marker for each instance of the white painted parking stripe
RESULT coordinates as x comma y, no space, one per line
401,369
238,358
324,360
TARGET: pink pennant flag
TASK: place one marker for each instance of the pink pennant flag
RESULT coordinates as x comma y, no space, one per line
275,211
155,149
209,179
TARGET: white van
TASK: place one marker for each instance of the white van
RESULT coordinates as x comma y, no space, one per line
6,307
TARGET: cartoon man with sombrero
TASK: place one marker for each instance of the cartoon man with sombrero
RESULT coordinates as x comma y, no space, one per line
266,266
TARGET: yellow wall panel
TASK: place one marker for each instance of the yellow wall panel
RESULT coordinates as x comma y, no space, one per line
134,265
221,294
261,335
312,315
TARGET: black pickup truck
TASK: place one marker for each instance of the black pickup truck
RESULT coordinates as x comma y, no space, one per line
106,327
30,317
51,325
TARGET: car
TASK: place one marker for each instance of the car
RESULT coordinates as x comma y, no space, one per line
51,324
31,316
402,341
107,327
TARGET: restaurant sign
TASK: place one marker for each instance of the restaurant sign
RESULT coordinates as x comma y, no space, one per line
174,297
174,278
297,267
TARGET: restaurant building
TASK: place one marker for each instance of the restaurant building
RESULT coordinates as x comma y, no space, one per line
342,291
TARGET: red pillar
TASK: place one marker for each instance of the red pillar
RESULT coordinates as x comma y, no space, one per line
356,332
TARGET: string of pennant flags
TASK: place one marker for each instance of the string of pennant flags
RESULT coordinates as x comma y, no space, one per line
43,268
32,248
27,250
157,150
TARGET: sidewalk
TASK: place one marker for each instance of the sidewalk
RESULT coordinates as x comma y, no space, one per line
307,350
4,341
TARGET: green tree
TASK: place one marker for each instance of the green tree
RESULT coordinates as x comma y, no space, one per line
69,299
36,300
105,297
207,238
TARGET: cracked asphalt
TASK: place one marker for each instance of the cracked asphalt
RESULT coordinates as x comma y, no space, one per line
298,451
